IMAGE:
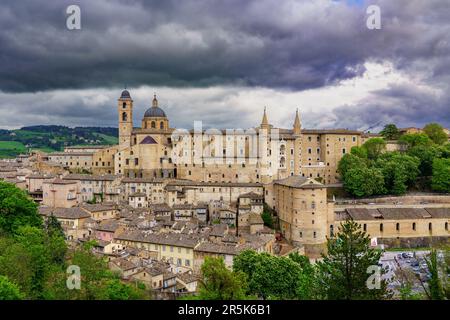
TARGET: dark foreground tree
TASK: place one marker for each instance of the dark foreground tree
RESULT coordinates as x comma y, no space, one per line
9,290
435,288
220,283
347,270
16,209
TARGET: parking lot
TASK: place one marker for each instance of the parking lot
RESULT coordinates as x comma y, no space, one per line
410,264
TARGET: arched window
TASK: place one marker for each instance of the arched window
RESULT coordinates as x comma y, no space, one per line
124,105
397,226
124,116
430,226
331,231
153,125
381,227
446,226
414,226
161,125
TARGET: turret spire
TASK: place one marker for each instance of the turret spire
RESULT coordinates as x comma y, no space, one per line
297,124
264,122
155,101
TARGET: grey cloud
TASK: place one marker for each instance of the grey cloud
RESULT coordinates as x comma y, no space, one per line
404,105
283,44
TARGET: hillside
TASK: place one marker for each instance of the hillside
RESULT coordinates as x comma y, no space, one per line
52,138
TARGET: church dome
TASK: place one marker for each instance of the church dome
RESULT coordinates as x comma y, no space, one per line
125,95
155,111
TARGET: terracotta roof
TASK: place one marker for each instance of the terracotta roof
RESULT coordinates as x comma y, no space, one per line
71,154
90,177
142,180
172,239
64,213
439,212
299,182
123,264
255,218
108,225
212,184
97,207
252,195
212,247
137,194
395,213
159,207
60,181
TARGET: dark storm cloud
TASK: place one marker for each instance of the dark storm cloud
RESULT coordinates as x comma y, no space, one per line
286,44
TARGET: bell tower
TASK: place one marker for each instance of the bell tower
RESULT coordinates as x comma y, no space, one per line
125,113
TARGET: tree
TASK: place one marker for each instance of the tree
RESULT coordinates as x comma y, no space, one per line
399,171
116,290
273,277
350,161
344,270
219,283
16,209
360,152
426,154
267,217
375,147
436,133
440,180
390,132
435,289
308,285
362,182
9,290
415,139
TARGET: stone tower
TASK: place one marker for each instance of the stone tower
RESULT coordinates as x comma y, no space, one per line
125,113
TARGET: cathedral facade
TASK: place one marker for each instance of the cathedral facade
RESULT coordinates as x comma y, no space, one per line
257,155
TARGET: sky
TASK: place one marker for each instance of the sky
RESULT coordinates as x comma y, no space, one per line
222,62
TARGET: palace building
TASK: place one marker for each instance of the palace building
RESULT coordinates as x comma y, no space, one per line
258,155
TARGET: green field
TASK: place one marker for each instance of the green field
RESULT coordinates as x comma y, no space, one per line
111,140
52,138
10,149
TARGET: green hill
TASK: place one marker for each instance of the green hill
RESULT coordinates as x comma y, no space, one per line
53,138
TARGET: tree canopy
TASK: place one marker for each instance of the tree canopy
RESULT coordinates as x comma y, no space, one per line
344,269
436,133
16,209
219,283
390,132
